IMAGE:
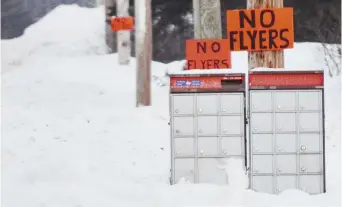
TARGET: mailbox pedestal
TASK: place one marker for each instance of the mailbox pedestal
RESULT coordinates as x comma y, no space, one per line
286,131
207,125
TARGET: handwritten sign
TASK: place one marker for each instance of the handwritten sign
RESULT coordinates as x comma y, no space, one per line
260,29
121,23
208,54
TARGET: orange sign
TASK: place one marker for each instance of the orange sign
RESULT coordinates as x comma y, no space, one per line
121,23
260,29
208,54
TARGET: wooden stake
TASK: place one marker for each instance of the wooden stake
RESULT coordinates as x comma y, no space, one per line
266,59
110,10
124,37
143,51
207,19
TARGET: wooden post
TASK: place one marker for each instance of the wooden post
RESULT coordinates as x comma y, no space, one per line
124,38
143,51
207,19
110,10
266,59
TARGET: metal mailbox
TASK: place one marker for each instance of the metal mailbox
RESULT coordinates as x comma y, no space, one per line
207,114
286,131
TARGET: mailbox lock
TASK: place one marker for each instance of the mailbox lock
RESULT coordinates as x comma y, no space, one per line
176,110
302,129
280,190
279,149
255,129
201,152
279,128
225,152
303,189
303,169
224,110
255,149
224,131
256,170
278,106
177,130
200,131
301,107
303,147
200,110
278,170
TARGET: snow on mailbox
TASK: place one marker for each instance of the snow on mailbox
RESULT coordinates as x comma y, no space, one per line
207,119
286,130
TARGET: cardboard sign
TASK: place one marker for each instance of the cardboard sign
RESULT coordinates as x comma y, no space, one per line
208,54
260,29
121,23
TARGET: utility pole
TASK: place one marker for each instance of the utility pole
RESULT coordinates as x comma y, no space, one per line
124,38
266,59
143,51
110,10
207,19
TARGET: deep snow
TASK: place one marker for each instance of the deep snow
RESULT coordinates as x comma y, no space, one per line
71,135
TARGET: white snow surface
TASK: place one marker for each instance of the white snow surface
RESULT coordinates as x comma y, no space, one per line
72,137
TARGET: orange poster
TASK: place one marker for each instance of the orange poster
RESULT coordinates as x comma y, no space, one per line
260,29
208,54
121,23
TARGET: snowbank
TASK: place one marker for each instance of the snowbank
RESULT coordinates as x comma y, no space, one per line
67,31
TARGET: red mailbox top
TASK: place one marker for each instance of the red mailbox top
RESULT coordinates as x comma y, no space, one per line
286,79
190,83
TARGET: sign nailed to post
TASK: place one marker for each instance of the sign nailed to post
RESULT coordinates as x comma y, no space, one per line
121,23
260,29
208,54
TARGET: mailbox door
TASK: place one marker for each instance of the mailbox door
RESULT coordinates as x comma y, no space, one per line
262,143
285,183
311,184
184,147
286,143
309,122
211,170
183,104
309,100
286,164
262,184
261,122
232,103
207,104
232,125
261,101
262,164
208,146
310,163
184,168
232,146
310,143
183,126
286,122
207,126
285,100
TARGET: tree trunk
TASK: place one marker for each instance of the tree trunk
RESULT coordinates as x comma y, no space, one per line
124,38
266,59
110,10
207,19
143,51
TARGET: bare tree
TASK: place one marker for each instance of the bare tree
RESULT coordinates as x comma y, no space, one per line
326,25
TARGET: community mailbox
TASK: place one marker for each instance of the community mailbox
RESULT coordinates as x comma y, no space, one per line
207,114
286,131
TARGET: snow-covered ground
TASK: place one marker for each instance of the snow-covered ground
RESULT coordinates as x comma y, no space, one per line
72,137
